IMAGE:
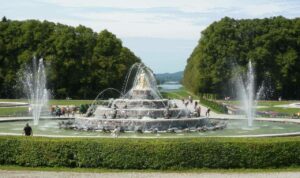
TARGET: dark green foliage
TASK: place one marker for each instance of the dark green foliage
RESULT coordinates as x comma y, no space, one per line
83,108
150,153
272,44
79,62
215,106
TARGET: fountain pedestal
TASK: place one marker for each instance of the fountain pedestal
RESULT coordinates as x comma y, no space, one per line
141,94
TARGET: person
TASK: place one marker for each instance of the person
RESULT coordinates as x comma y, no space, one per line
52,110
73,111
115,106
116,132
198,111
57,111
196,104
207,112
186,103
27,130
68,111
190,99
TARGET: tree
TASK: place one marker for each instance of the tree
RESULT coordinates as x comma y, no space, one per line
272,44
79,61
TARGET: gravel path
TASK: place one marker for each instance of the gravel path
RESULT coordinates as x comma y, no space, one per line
45,174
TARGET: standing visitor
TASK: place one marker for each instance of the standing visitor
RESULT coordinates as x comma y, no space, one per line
196,104
191,99
207,112
27,130
68,111
198,111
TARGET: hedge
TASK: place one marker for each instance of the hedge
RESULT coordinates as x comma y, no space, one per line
121,153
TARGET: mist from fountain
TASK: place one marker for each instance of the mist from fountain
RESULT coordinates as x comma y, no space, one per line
34,83
247,94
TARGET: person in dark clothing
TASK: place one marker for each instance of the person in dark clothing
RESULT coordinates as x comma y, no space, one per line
207,112
27,130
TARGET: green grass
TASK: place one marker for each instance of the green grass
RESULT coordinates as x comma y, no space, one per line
274,102
270,106
13,111
269,103
181,93
53,102
288,111
70,102
22,111
14,100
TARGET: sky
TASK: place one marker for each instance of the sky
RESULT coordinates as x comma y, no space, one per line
163,33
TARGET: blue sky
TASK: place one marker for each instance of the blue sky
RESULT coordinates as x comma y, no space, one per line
163,33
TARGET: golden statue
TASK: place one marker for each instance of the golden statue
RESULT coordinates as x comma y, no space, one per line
141,81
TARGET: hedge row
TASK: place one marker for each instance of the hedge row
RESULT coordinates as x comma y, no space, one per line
214,105
150,153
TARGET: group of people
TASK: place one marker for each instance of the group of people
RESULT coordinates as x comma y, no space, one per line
58,111
197,107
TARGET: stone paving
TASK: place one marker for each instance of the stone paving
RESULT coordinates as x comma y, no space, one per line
48,174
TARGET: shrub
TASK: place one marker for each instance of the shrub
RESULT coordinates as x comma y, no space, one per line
124,153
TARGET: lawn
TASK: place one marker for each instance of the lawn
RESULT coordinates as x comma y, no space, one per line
70,102
181,93
269,106
23,111
53,102
13,111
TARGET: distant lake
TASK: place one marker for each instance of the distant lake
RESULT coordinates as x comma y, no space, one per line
170,86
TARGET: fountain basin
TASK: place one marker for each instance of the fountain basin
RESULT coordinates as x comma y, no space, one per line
235,128
144,124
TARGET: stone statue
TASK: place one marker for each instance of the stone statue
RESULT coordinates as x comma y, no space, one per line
141,81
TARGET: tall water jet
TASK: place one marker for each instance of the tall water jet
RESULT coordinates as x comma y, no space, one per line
34,81
247,94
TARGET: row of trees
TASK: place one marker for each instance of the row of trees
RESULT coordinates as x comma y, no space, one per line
272,44
79,61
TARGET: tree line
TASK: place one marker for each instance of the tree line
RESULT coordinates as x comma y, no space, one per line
79,62
226,46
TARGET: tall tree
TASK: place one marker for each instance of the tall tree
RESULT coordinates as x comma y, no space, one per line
79,61
272,44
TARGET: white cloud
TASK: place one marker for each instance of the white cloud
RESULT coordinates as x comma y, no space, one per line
247,7
175,19
142,25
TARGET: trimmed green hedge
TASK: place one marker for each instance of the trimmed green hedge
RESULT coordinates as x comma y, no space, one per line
120,153
215,106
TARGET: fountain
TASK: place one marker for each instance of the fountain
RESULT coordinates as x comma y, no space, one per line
140,107
246,89
34,82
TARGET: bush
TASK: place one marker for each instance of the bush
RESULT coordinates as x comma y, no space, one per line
83,108
162,153
220,108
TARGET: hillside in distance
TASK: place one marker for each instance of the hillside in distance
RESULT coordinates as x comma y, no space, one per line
169,77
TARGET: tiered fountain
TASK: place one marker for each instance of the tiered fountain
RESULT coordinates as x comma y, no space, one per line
140,107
